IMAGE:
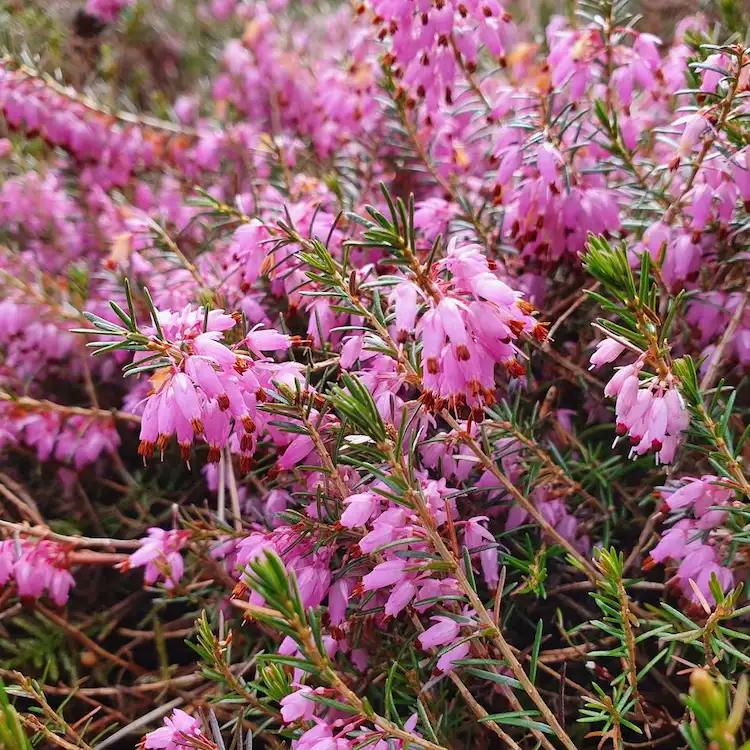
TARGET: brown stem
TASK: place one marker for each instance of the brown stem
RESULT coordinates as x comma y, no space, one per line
632,663
733,465
551,466
88,643
25,402
493,632
42,532
331,470
520,498
330,675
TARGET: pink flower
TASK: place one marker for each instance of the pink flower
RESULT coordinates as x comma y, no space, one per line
41,567
650,411
673,543
384,574
447,662
7,560
607,351
186,400
359,508
207,345
402,593
160,555
406,304
443,631
338,599
694,129
107,10
176,733
321,737
618,380
297,706
701,494
295,452
711,78
476,537
261,340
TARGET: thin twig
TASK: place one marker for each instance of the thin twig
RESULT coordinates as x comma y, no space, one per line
24,402
233,494
715,359
139,723
86,641
74,541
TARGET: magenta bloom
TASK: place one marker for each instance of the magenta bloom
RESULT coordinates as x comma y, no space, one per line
41,567
359,508
160,556
7,560
447,662
297,706
650,411
607,351
700,494
442,632
175,734
385,574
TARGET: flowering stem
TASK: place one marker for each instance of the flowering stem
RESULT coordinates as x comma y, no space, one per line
330,675
447,188
475,87
726,108
416,380
493,631
152,123
186,262
330,468
520,498
733,465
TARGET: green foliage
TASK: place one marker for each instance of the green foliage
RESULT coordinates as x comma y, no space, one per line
716,717
618,622
12,733
714,639
356,405
645,312
41,646
711,424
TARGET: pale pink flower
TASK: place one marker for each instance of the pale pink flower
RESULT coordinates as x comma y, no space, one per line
176,733
296,705
607,350
160,555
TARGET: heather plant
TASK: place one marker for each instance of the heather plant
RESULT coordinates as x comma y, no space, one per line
375,377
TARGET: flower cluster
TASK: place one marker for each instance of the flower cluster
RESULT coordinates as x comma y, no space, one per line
650,411
469,325
36,568
392,292
692,541
160,557
179,732
207,385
